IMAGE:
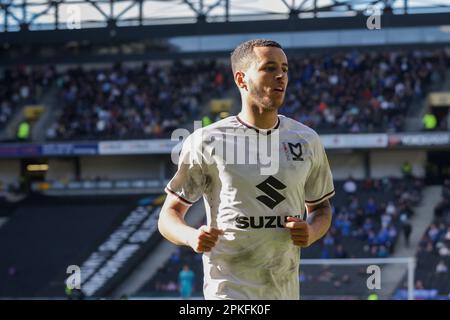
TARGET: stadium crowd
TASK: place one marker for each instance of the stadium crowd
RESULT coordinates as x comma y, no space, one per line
353,91
134,102
22,85
361,91
434,249
377,223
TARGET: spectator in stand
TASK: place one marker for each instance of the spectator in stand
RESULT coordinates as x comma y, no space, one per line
391,209
392,232
359,218
429,121
382,252
419,285
385,220
328,244
386,184
350,186
443,250
368,225
371,207
406,228
354,203
447,234
383,237
433,233
371,185
404,209
328,239
340,252
441,267
371,238
171,286
407,169
175,257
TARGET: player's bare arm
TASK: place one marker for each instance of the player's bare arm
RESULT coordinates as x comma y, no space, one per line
173,227
304,233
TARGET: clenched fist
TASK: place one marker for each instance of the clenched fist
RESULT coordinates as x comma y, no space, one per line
300,232
205,238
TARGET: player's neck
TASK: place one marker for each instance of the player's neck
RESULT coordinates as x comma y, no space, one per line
259,118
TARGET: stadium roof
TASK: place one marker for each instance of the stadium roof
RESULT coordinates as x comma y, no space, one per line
61,31
74,14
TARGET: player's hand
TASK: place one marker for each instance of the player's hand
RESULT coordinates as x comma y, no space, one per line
205,238
300,232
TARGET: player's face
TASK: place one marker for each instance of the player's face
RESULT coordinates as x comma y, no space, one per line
268,77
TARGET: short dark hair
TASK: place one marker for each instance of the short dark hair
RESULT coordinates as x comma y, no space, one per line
243,54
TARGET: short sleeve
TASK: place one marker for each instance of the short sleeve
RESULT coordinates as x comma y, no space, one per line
319,185
188,183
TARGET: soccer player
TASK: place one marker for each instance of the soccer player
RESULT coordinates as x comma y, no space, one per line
255,220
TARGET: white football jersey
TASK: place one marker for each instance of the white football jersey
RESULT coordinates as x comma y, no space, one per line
255,258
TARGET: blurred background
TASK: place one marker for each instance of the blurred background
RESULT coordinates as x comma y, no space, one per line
91,91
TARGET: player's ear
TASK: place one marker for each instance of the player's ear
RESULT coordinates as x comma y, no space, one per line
239,78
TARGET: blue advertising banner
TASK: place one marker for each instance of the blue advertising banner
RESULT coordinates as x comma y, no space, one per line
49,149
19,150
62,149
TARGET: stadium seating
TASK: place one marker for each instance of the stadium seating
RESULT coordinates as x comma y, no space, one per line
135,102
403,194
361,91
433,255
352,91
22,85
44,235
339,92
